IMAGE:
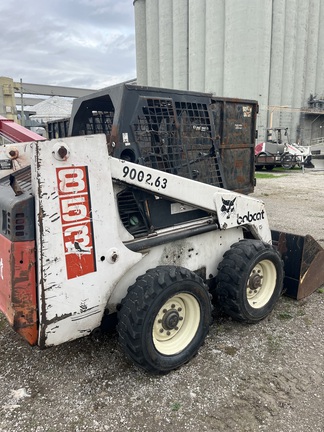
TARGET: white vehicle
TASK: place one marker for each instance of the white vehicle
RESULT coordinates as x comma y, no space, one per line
278,151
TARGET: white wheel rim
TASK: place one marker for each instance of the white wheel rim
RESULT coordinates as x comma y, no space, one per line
261,284
176,324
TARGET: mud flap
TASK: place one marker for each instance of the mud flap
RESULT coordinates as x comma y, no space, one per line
303,261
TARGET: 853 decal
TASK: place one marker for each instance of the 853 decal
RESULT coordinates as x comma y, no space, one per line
77,229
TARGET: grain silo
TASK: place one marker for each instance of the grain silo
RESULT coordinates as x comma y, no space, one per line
268,50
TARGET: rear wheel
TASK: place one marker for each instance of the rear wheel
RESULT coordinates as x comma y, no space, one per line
164,318
249,280
287,161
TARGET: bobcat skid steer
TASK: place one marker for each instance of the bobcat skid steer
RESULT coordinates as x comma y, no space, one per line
85,235
141,214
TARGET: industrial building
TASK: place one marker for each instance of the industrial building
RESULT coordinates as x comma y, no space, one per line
268,50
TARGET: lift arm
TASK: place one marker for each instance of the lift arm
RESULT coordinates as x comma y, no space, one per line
232,209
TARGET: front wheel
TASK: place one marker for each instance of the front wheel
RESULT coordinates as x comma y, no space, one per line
249,280
164,318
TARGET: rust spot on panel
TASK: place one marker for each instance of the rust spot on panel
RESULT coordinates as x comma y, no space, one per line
18,287
24,291
62,151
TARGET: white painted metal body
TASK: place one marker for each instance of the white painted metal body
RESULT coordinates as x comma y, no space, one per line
85,256
301,153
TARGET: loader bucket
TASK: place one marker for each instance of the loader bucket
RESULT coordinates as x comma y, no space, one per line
303,261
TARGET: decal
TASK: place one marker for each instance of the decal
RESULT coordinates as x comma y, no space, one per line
250,217
148,178
125,139
228,207
75,211
247,111
5,164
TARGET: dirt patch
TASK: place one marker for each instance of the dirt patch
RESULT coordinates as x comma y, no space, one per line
262,377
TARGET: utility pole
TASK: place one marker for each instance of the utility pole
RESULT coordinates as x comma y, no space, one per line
22,104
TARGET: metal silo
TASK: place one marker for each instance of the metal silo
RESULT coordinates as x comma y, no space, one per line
268,50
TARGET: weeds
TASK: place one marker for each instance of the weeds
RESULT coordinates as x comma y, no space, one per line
285,315
268,175
308,322
2,321
274,343
176,406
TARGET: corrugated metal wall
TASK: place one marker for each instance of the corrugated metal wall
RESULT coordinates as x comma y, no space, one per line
268,50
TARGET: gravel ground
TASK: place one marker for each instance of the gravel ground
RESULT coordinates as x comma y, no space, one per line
262,377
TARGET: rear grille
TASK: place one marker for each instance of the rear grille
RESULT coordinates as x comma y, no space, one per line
18,213
20,224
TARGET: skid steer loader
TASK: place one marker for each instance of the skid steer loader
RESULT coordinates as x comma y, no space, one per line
131,224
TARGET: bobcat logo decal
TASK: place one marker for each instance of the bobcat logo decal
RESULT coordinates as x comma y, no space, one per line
228,207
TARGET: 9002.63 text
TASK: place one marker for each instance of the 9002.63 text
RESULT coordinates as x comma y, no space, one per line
148,178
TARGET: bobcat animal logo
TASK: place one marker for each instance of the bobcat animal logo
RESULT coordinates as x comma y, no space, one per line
228,207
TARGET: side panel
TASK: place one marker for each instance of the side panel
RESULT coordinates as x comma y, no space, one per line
18,287
80,255
235,123
200,253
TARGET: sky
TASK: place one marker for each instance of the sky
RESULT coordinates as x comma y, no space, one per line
73,43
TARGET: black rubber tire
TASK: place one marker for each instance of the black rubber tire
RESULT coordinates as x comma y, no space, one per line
164,318
258,166
249,281
287,161
269,167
